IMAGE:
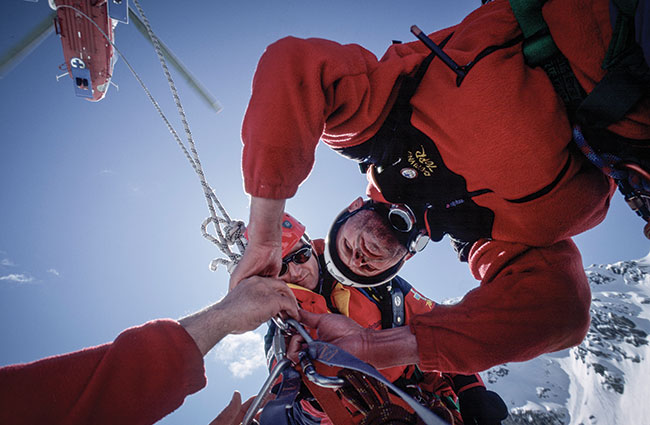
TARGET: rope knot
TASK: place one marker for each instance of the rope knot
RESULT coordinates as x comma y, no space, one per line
233,231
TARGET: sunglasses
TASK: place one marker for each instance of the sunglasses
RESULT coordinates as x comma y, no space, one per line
300,256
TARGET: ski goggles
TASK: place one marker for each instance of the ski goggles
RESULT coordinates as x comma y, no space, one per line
400,217
300,256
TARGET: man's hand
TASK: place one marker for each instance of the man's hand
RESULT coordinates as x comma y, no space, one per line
263,255
254,301
382,349
335,329
234,413
258,260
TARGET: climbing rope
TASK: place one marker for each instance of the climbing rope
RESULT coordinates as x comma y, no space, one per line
633,180
228,232
232,232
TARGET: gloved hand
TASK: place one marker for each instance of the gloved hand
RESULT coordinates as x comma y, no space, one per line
479,406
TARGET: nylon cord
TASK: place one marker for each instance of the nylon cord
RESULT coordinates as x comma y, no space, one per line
233,230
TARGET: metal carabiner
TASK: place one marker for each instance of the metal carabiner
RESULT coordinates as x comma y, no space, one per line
310,372
298,327
283,362
280,323
308,367
277,370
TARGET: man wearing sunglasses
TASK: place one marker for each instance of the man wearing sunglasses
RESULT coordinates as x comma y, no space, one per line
389,304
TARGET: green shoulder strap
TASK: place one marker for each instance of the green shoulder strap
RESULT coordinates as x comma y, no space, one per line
538,46
627,78
539,49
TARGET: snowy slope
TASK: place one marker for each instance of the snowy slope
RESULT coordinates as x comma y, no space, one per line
606,379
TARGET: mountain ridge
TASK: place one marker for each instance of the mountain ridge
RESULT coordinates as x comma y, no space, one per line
604,379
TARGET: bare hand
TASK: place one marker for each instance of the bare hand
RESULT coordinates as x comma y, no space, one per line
255,300
264,251
250,304
258,260
335,329
234,413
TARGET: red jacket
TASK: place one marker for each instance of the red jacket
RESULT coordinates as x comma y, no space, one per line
504,129
139,378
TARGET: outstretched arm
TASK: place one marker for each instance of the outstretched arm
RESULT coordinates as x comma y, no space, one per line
305,91
145,373
380,348
250,304
531,301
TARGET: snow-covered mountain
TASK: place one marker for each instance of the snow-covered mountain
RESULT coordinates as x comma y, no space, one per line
606,379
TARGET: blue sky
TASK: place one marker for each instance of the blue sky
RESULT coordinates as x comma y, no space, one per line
100,211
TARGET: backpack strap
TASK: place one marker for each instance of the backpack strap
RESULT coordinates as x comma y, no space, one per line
627,79
539,49
538,45
628,76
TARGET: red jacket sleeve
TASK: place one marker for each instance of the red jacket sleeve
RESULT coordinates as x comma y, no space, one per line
143,375
304,90
531,301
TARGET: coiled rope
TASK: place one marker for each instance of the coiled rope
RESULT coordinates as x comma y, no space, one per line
228,232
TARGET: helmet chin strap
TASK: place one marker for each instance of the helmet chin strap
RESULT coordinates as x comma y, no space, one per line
341,272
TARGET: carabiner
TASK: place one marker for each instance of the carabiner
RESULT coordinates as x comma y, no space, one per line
298,327
277,370
310,372
280,323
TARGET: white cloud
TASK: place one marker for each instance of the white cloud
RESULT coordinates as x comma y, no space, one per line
242,353
5,262
19,278
55,272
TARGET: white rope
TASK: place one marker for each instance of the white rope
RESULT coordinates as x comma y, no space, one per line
232,232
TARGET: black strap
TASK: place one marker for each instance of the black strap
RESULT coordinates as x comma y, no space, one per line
626,82
627,79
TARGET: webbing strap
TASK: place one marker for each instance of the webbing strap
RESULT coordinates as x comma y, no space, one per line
329,402
538,44
623,32
331,355
627,79
275,411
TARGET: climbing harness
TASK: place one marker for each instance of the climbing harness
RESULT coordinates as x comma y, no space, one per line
351,382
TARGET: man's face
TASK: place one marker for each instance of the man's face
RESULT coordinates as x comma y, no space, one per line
366,245
306,274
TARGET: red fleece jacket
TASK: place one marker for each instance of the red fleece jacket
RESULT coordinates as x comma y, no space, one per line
531,301
139,378
504,129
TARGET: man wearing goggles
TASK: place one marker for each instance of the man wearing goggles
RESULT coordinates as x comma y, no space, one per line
389,304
